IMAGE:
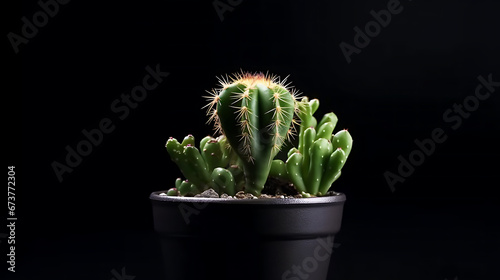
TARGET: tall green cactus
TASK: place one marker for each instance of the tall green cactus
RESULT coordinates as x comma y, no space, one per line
255,113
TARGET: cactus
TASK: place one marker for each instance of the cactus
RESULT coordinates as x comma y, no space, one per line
215,152
223,181
316,164
206,169
255,113
185,187
190,161
278,170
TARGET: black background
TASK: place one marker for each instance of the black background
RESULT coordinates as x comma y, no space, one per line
440,223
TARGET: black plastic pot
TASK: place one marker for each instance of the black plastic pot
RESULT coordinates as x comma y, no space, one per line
258,239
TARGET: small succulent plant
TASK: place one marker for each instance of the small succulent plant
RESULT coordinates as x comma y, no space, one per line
256,115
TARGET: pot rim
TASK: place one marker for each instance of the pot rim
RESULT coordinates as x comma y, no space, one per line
336,198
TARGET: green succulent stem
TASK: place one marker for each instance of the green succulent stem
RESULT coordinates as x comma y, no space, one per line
318,161
278,170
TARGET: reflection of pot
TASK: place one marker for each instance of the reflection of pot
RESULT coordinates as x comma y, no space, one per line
258,239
